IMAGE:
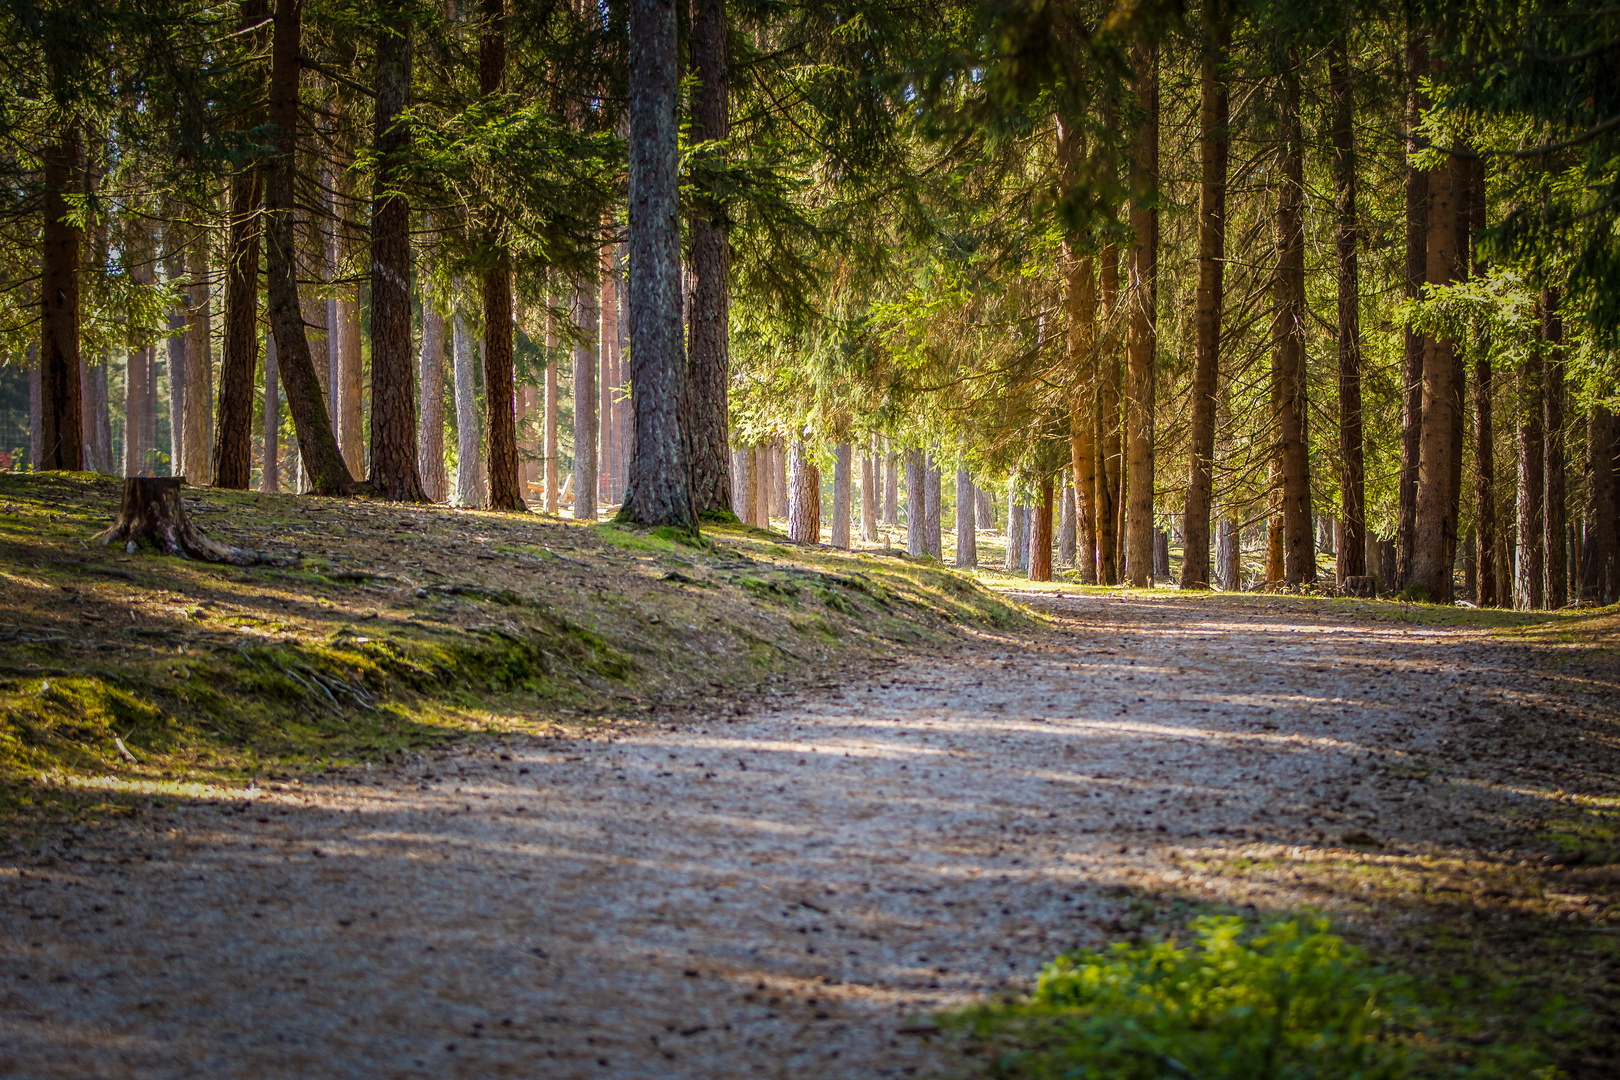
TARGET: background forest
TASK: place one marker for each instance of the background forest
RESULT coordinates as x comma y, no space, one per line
1308,292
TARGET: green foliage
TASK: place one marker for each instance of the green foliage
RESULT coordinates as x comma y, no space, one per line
1289,1002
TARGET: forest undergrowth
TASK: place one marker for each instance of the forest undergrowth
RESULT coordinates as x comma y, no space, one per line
380,630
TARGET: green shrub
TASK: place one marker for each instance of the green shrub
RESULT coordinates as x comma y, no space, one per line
1286,1003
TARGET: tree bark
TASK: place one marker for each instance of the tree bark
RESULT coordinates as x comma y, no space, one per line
932,537
197,398
841,496
430,439
967,537
660,491
916,504
585,323
1142,348
60,413
36,430
1485,525
1214,107
986,506
1040,546
1555,518
553,503
891,490
869,495
233,443
393,395
607,460
1351,560
270,454
174,270
322,461
1109,464
1435,535
1417,230
469,471
1528,567
709,361
804,496
1066,542
1288,357
1080,308
1015,526
1600,547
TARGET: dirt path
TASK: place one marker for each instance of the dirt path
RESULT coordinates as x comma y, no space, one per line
777,896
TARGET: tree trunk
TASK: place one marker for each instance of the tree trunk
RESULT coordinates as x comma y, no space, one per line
36,429
1228,557
1015,525
967,539
1417,231
1213,112
916,504
779,497
932,538
1288,357
393,395
1489,593
1080,308
869,496
660,491
347,392
804,496
174,269
1351,560
1600,548
891,490
986,506
430,440
270,466
1556,522
1066,541
607,460
60,413
585,462
500,413
1109,465
1142,348
1529,565
1161,554
709,361
233,444
1436,528
198,392
1040,541
322,461
841,496
469,475
553,502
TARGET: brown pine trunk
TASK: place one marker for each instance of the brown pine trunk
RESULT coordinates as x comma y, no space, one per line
1351,559
1417,230
762,486
323,463
1600,548
60,413
500,415
1080,308
393,395
804,496
709,359
1109,466
174,270
1288,358
607,461
585,322
1040,551
1555,519
891,489
1528,565
1213,113
1066,527
660,491
932,540
1435,534
197,409
1142,348
869,496
1489,594
549,450
239,360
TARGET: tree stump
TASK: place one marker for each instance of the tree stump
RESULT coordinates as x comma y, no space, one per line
152,511
1362,585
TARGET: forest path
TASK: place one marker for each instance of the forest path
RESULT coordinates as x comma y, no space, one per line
781,895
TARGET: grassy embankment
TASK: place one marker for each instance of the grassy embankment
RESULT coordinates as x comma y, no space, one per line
126,677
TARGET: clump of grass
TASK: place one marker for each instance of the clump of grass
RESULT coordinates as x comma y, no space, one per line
1289,1001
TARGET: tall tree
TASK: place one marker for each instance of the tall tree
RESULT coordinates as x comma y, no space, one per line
1352,554
393,393
430,440
1554,517
198,393
1213,111
61,416
841,495
1484,422
1110,473
1288,349
660,491
1435,528
586,319
1417,231
1080,307
323,463
1600,547
709,358
1142,347
1528,568
505,489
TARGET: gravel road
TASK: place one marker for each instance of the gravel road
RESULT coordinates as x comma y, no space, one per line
789,894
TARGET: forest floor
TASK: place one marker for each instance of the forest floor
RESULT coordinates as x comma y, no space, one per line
787,876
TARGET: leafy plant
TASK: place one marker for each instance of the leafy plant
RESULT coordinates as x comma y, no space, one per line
1289,1002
